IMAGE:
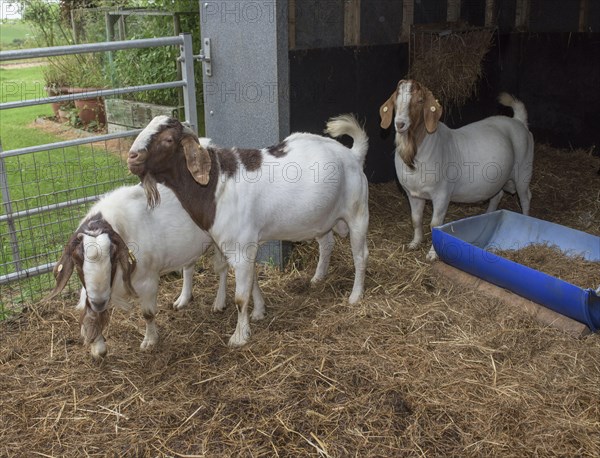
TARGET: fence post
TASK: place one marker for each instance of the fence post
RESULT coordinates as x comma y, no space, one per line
189,90
5,199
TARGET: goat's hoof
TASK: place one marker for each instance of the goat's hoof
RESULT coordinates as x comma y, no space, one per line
239,339
181,303
258,315
147,345
218,308
315,281
354,298
98,352
431,256
413,245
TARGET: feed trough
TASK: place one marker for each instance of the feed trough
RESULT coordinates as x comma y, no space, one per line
467,244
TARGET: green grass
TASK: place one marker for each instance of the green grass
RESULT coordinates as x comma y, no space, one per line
14,34
43,178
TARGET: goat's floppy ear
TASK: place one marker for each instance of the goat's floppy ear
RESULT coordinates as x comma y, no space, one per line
126,260
64,267
197,159
432,112
386,111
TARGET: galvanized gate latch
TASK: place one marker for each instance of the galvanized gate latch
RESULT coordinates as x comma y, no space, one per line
204,57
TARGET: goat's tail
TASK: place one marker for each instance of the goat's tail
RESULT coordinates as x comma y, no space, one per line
347,124
518,107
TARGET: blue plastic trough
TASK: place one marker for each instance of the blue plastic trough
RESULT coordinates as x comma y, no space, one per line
465,244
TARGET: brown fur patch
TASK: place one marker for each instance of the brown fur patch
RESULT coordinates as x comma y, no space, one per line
277,150
227,161
73,255
251,158
92,324
416,131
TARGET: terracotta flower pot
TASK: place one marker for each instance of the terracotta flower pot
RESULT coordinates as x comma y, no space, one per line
60,109
91,110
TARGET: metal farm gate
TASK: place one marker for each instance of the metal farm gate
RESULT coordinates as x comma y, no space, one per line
46,189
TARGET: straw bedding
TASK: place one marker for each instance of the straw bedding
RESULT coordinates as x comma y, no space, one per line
419,367
550,259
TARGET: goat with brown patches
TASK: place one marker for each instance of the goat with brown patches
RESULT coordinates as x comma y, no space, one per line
120,250
475,163
301,189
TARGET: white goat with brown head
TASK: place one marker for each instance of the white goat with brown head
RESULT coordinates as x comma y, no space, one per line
475,163
302,188
120,250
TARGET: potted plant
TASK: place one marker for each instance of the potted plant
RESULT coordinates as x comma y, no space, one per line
57,83
90,77
74,74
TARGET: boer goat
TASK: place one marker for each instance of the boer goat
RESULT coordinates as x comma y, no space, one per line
472,164
120,250
302,188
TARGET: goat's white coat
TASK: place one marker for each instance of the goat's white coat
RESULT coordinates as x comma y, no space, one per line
316,187
474,163
163,240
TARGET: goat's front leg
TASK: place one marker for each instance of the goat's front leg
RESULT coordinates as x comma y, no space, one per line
440,207
148,300
244,282
326,243
220,267
417,205
82,298
186,291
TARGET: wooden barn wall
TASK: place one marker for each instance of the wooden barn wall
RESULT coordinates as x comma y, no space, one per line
555,74
326,82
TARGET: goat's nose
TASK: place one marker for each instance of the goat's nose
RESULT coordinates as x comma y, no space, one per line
133,155
98,305
400,125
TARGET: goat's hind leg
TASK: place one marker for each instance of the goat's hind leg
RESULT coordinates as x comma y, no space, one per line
258,308
523,178
360,252
495,201
186,291
326,243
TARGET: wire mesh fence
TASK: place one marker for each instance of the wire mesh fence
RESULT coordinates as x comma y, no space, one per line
49,192
46,189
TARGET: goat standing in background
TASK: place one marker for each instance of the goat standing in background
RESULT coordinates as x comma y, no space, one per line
472,164
120,250
300,189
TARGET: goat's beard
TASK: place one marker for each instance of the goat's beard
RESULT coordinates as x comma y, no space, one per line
406,147
92,324
151,190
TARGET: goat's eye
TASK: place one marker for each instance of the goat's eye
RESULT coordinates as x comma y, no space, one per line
421,101
168,140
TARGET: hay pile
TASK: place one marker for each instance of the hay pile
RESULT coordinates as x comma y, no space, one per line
550,259
449,63
417,368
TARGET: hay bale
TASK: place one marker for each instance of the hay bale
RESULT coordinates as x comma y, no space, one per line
449,62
